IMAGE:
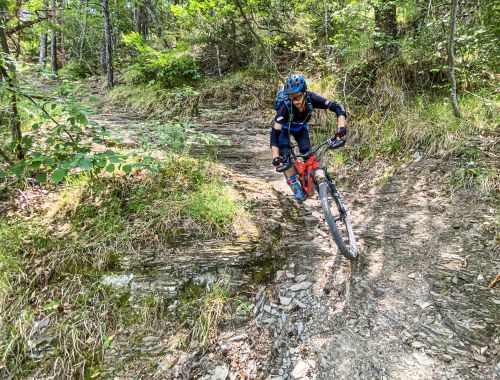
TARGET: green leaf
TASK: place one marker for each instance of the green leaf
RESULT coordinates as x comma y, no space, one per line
18,169
35,126
42,177
3,175
110,168
85,164
115,159
58,175
101,163
127,168
82,119
107,341
52,305
92,98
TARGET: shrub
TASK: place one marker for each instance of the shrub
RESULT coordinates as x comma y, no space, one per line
170,68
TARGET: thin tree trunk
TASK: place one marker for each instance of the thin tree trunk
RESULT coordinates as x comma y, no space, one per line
108,43
53,39
43,49
10,76
451,58
217,52
326,27
60,22
84,28
43,37
387,28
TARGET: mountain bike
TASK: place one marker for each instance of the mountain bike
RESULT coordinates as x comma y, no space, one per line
314,175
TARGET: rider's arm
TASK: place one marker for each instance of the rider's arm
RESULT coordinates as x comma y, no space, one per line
275,135
319,102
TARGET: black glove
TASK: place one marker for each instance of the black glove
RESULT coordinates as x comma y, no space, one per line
341,132
277,161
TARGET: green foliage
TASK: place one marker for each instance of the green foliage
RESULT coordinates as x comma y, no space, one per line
155,102
170,68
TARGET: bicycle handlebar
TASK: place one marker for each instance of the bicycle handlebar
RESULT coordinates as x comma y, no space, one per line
332,144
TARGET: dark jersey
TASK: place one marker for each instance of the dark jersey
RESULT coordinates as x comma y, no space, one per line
317,102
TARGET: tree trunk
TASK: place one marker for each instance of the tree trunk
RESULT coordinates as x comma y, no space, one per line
53,39
387,28
451,58
10,76
84,28
60,22
104,63
43,37
107,43
217,54
326,28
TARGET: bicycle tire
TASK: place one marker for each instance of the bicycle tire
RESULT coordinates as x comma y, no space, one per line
339,226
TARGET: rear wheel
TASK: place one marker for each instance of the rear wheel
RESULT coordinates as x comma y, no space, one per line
336,218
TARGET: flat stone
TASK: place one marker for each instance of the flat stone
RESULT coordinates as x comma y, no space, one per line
267,309
417,344
480,358
422,303
279,275
300,286
221,372
299,304
300,370
119,281
447,358
413,275
285,301
300,328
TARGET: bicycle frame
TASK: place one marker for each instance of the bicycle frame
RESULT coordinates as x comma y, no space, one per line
307,169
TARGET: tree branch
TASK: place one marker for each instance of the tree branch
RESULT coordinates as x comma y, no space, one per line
257,38
25,24
46,113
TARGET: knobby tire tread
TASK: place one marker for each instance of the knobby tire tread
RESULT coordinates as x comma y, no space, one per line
324,192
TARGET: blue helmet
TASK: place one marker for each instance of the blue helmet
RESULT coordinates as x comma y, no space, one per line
294,83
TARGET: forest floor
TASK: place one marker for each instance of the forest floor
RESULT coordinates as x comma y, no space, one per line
415,305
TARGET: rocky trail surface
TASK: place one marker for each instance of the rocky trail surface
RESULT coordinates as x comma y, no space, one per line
415,305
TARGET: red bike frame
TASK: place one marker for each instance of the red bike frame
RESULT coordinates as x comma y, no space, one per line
304,170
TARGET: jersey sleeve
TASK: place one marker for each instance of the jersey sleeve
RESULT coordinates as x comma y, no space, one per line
318,102
282,114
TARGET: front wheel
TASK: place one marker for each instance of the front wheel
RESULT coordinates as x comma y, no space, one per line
337,220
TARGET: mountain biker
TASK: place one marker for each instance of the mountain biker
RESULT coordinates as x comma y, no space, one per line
291,119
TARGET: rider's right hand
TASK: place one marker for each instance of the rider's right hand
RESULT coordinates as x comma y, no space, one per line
277,161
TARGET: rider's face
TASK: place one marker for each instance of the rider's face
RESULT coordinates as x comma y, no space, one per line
297,98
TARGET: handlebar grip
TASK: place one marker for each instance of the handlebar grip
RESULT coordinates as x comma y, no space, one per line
284,167
337,144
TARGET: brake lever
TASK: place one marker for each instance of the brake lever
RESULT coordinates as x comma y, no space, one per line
335,144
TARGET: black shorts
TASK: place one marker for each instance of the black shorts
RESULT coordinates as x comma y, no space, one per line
301,137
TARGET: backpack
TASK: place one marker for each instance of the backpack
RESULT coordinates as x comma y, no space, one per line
281,97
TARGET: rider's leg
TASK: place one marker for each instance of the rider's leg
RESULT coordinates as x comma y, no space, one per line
284,148
303,140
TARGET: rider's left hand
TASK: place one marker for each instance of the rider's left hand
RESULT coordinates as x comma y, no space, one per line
277,161
341,132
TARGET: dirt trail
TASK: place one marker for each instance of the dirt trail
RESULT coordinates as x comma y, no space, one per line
415,305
